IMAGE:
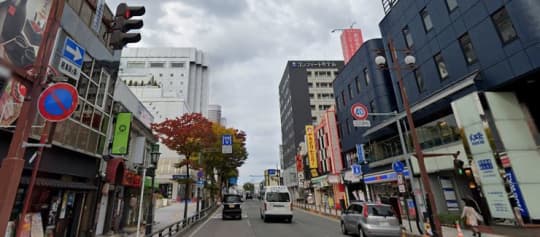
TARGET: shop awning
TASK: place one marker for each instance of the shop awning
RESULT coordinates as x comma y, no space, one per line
54,183
318,179
112,170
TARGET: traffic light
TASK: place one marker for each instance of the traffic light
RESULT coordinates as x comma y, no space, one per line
122,24
458,166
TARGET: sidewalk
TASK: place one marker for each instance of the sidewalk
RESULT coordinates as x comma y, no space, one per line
494,230
175,212
165,216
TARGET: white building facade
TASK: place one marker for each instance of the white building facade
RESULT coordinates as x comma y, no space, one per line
169,82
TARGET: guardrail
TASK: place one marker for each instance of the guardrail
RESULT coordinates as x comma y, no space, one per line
183,225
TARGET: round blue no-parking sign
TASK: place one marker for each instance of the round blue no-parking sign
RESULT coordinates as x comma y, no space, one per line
57,102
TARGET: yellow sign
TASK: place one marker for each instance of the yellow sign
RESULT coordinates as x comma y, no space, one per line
312,151
314,173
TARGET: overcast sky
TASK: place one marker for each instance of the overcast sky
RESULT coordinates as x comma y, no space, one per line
248,43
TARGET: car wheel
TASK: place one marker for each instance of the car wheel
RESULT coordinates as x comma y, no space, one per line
361,232
344,229
265,219
289,220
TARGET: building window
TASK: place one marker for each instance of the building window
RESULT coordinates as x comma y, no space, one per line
426,19
451,4
157,64
309,84
135,64
504,25
408,36
312,107
441,66
177,65
311,96
372,107
350,91
468,50
308,73
358,86
366,76
419,80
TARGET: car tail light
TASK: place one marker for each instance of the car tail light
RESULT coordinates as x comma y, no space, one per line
365,212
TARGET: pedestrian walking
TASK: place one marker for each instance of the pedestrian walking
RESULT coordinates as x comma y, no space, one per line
472,217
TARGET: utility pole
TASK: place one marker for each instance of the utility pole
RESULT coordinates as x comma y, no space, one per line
13,164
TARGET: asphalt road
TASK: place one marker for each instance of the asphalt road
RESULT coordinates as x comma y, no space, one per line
304,224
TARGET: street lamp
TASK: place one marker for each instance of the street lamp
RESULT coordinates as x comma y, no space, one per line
410,65
154,158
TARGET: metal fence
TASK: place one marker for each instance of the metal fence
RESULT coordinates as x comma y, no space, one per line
183,225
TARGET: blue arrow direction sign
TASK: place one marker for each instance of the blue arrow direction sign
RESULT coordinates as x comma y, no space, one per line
73,52
226,140
356,170
398,166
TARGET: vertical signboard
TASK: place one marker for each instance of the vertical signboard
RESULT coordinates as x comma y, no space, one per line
312,152
96,22
351,40
121,134
469,112
22,25
360,153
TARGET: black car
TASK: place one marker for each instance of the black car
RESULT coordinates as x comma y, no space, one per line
232,206
249,196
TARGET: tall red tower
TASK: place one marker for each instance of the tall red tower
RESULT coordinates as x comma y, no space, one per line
351,40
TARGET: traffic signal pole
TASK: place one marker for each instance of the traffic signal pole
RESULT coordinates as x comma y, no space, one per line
13,164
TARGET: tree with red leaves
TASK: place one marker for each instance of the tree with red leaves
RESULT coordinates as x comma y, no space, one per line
187,135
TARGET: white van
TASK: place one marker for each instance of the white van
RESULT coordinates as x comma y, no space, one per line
276,203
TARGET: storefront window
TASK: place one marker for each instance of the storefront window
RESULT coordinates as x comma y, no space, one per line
436,133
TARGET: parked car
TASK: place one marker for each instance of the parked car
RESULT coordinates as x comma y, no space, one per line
249,195
232,206
276,204
370,219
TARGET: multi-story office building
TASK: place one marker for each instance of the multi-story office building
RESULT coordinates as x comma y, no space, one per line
360,81
169,81
214,113
69,183
305,92
473,89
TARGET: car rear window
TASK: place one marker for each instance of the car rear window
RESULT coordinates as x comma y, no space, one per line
377,210
230,199
277,197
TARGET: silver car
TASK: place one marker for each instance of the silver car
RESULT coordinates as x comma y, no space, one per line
370,219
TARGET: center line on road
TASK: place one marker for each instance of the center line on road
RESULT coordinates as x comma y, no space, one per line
203,224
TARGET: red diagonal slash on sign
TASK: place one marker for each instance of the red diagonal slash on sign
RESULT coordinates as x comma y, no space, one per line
59,102
52,91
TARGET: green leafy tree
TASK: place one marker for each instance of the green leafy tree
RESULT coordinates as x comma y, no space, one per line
249,187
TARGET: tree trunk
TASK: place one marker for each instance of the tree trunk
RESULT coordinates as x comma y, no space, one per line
186,193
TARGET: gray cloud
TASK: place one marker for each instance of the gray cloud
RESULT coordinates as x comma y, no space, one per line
248,43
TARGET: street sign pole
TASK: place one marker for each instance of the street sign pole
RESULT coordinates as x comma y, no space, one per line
12,165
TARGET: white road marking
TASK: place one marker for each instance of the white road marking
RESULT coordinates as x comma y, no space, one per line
203,224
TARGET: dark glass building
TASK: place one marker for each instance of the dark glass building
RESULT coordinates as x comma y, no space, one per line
305,92
473,90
